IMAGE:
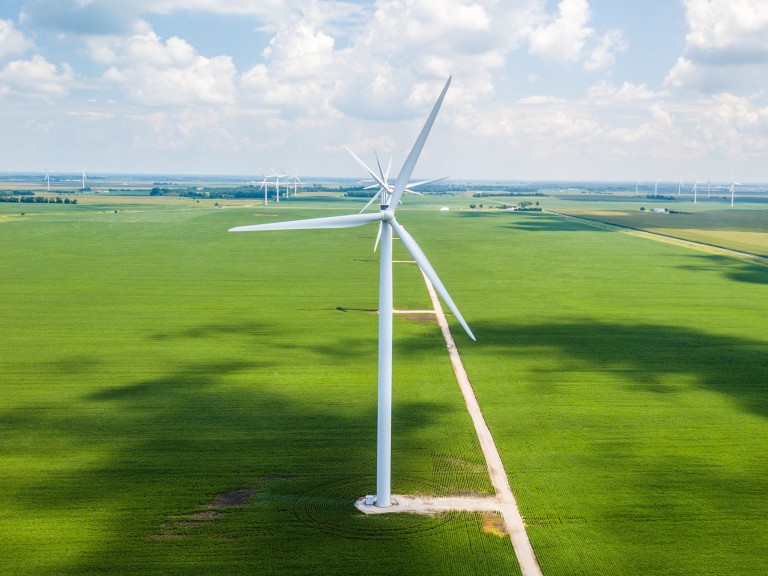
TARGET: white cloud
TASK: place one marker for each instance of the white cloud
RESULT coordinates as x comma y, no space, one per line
299,73
11,40
603,55
539,99
735,123
300,52
606,93
726,46
563,37
36,76
154,72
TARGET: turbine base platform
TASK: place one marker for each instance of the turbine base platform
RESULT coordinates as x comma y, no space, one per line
429,505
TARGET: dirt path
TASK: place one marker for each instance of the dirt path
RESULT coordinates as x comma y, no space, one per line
504,501
512,518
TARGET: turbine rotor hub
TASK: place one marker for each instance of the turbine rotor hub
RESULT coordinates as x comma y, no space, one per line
387,215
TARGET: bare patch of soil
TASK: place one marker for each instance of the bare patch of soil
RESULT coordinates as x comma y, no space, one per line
235,499
179,526
493,523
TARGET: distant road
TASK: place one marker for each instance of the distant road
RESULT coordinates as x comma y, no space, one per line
701,246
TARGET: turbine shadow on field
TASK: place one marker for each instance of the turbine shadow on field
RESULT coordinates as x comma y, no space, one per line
163,447
646,354
213,330
733,268
552,224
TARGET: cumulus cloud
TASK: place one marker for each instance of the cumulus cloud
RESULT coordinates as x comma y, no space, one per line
35,76
298,74
607,93
564,36
11,40
603,55
736,123
726,45
157,72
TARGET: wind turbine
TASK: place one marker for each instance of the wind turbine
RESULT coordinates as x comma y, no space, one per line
385,188
83,171
296,181
680,186
709,186
695,187
733,190
264,185
277,177
48,180
383,181
390,226
656,188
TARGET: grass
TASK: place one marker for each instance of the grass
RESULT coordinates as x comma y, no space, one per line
623,381
153,361
740,228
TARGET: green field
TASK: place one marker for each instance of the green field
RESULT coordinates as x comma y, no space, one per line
738,228
152,361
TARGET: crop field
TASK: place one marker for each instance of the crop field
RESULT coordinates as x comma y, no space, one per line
179,400
744,227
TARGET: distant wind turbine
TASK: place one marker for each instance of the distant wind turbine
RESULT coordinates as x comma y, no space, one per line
277,177
296,181
386,216
84,169
264,185
733,190
680,186
695,187
48,180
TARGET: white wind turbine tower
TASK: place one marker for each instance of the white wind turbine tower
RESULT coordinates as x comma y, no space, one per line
733,189
390,226
656,188
695,187
296,181
264,185
680,186
48,180
277,177
83,172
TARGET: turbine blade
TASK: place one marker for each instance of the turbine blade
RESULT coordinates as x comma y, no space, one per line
424,182
413,156
378,238
421,259
348,221
378,163
371,201
365,167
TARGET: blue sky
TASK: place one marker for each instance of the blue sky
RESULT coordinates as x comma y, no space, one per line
569,89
